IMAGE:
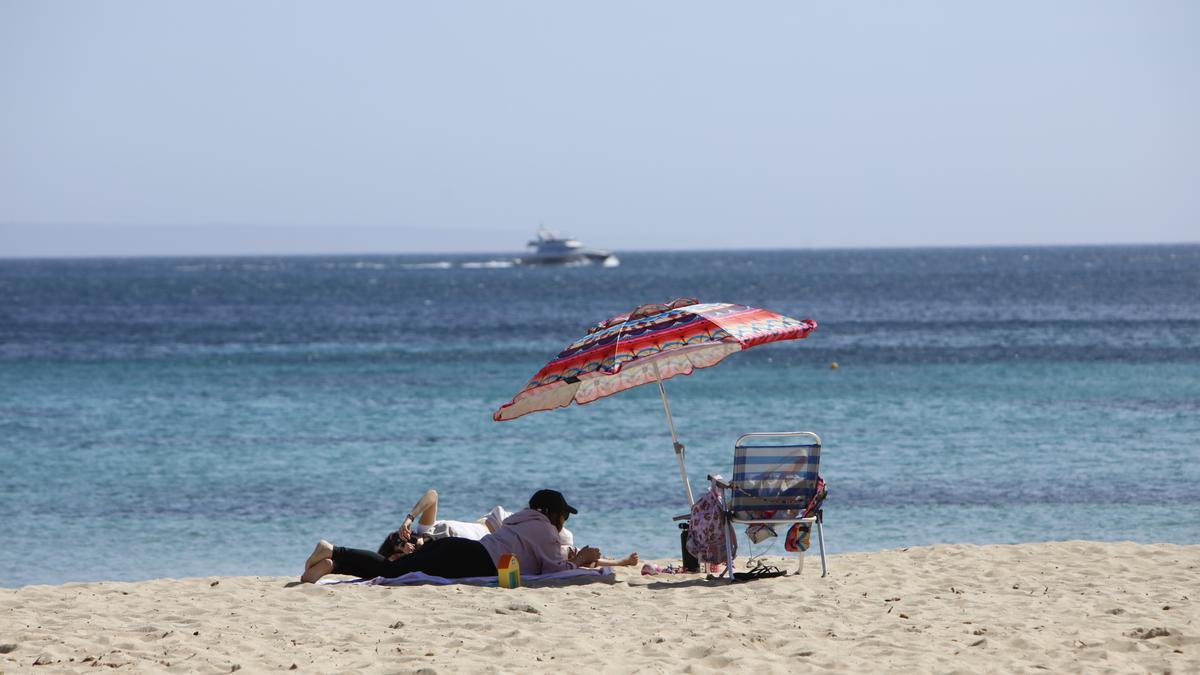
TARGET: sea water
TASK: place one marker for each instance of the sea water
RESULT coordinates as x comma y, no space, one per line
216,416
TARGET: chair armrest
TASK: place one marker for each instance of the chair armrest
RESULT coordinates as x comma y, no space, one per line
686,516
774,521
719,483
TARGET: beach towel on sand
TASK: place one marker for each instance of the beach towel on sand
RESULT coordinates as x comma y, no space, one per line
413,578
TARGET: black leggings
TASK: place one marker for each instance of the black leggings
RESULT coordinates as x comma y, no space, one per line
453,558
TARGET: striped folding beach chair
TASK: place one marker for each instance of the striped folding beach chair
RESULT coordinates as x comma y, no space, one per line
774,481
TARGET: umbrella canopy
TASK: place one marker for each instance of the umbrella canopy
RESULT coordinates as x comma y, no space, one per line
650,344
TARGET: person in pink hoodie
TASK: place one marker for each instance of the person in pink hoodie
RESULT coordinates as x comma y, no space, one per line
532,535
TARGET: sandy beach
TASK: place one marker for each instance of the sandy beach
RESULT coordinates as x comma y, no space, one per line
1063,606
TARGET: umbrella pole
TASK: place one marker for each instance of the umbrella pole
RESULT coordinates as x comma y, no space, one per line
687,484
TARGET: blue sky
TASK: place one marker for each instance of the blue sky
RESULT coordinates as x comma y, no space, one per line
139,128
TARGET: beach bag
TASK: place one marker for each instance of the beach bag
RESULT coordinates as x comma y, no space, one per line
757,533
705,538
798,537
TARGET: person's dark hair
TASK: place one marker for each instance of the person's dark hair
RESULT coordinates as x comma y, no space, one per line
553,513
389,544
394,541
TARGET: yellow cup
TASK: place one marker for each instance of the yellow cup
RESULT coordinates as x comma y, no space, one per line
508,571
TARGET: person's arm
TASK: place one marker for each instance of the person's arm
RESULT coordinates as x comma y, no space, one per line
588,556
551,553
424,512
631,559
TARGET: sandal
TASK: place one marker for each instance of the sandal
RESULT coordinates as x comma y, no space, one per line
760,571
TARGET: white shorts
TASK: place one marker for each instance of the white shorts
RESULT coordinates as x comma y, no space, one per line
458,528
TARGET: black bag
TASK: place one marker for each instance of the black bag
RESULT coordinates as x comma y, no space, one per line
690,564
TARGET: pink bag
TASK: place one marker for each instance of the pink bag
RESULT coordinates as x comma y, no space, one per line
705,539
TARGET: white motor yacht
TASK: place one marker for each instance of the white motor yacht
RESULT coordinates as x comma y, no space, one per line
551,249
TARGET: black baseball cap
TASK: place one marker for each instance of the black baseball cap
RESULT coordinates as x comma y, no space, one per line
551,500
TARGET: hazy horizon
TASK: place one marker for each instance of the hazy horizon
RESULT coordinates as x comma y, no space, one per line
504,254
133,128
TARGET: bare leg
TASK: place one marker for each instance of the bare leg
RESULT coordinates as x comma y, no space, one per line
423,512
317,571
323,551
429,515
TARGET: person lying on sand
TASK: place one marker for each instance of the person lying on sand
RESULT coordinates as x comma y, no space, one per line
394,547
421,525
422,518
532,535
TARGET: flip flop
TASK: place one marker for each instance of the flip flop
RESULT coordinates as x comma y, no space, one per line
759,572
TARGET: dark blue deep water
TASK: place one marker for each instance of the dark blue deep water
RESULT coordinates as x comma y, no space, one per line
182,417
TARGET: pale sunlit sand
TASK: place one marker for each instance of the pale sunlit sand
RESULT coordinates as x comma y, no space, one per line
1069,606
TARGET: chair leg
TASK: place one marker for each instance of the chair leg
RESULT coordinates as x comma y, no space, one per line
728,548
821,543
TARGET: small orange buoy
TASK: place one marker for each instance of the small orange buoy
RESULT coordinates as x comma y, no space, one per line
508,571
833,365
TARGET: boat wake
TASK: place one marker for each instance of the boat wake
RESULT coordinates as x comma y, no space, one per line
489,265
467,265
611,261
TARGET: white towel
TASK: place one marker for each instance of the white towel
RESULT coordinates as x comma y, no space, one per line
495,518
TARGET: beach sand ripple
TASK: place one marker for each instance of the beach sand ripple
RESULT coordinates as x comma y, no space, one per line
1061,606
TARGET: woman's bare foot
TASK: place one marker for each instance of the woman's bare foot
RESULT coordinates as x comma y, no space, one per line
316,571
631,559
323,551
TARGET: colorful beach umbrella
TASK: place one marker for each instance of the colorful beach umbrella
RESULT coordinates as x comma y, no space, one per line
652,343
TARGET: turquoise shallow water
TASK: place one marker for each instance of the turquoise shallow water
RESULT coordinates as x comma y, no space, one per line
173,417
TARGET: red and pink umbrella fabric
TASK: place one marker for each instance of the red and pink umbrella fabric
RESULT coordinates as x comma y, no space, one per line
650,344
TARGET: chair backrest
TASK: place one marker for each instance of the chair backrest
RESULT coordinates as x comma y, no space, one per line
774,474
